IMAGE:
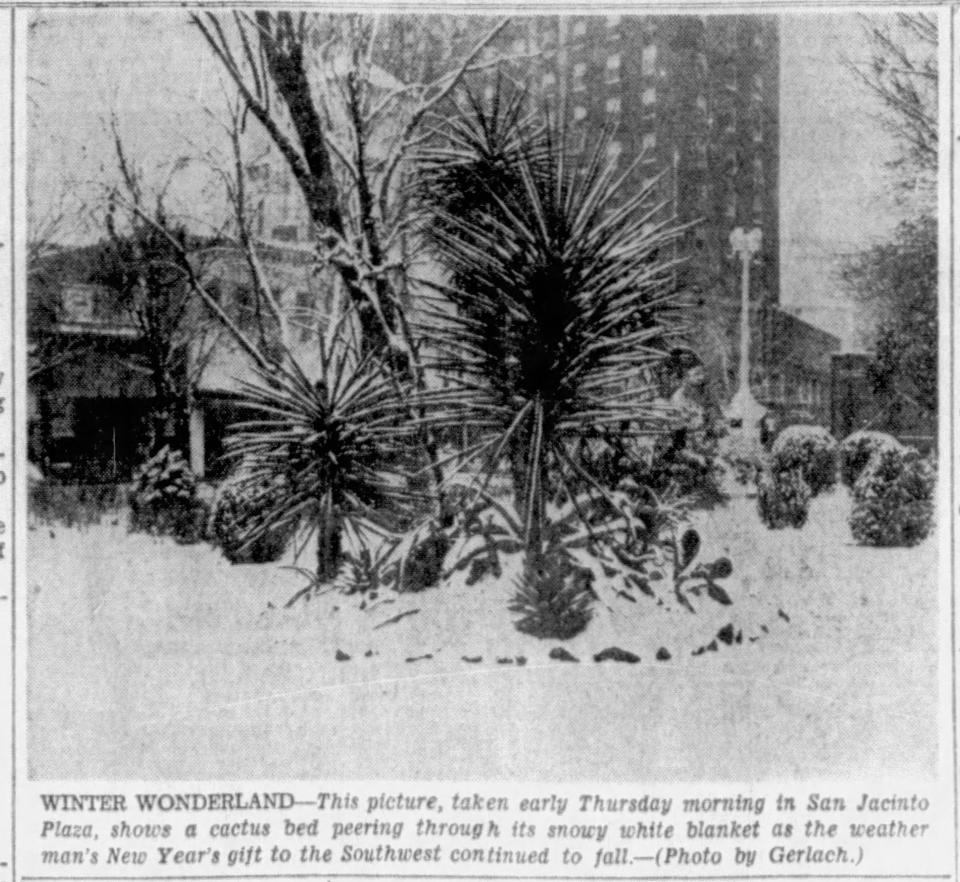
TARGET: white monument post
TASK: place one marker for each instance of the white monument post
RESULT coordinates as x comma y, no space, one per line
744,408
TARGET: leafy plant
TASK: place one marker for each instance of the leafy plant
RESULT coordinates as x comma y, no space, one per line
700,579
812,450
893,499
163,495
858,449
783,498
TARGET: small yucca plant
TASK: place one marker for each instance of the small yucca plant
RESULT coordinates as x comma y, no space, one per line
334,448
554,597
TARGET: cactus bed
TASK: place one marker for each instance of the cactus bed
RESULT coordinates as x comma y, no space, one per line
188,661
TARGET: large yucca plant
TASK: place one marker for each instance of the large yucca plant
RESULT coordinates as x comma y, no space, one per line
559,306
334,449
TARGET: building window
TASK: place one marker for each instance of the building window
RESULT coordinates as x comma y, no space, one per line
579,113
613,68
702,62
613,106
701,155
703,193
579,73
649,142
649,96
580,28
549,80
648,60
613,21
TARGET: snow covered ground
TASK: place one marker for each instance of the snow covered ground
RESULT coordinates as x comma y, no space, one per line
152,660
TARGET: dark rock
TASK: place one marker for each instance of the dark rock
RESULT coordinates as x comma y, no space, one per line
341,656
558,653
699,651
473,659
506,660
521,660
739,637
712,646
368,653
663,654
783,615
615,653
725,635
415,658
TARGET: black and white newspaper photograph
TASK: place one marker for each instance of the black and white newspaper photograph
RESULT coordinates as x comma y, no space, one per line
478,441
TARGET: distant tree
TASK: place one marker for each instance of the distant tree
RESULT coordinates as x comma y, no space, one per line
902,73
142,260
897,281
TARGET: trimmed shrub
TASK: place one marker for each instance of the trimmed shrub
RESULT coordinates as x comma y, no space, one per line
238,511
857,449
554,597
893,499
783,498
812,450
163,495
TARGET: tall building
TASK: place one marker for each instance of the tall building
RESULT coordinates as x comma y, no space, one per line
691,102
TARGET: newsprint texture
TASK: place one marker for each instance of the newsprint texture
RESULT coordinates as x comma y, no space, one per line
458,441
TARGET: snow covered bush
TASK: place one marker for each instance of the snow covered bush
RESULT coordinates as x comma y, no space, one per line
893,499
858,449
812,450
783,498
163,497
234,527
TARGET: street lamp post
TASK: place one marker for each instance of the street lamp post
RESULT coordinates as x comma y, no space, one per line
744,409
